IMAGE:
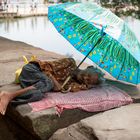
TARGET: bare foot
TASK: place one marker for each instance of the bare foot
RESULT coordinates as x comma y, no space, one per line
5,98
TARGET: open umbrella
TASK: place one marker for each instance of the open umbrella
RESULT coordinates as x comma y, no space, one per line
101,36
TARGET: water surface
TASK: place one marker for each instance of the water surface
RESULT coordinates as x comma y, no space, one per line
39,32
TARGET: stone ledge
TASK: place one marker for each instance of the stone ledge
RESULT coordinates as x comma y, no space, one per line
43,124
117,124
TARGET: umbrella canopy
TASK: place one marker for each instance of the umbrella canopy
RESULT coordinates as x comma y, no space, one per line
118,52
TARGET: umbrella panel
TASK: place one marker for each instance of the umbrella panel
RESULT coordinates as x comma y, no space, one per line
109,54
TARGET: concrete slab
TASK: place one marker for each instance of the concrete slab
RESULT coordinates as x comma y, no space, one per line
116,124
132,90
41,125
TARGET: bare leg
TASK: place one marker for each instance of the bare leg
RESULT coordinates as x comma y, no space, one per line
6,97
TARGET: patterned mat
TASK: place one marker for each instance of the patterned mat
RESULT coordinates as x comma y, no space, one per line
97,99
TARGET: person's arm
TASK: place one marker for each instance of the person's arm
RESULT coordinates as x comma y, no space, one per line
57,86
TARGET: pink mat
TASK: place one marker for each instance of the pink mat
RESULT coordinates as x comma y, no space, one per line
97,99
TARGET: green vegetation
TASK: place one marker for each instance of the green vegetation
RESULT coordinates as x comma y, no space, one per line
123,7
119,7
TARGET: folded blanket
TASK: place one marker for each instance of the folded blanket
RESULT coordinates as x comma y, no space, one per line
97,99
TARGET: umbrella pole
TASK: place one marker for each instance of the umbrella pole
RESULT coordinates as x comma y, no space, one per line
89,53
99,40
69,77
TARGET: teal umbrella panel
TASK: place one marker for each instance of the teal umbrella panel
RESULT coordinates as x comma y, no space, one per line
119,51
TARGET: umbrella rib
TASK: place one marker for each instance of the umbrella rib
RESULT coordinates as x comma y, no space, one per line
85,40
122,66
138,73
99,40
105,54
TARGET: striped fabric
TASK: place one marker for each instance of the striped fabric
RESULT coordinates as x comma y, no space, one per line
97,99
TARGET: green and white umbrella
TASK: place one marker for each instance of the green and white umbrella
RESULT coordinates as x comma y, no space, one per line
102,36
